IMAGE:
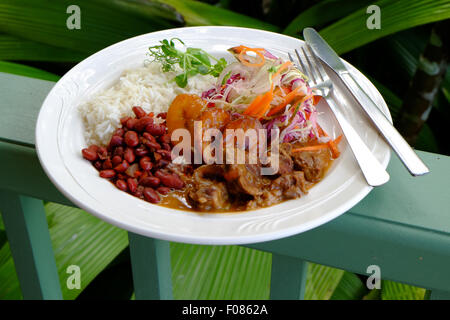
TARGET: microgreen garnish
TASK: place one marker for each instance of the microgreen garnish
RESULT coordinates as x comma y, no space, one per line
193,61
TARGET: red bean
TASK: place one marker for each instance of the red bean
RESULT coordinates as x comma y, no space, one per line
139,192
162,163
170,180
119,132
152,145
122,185
131,139
142,123
107,173
151,196
93,147
166,146
123,121
139,112
116,141
132,185
89,154
165,153
165,138
129,155
157,156
162,115
141,151
118,151
149,137
98,165
116,160
155,129
145,163
122,167
131,123
107,164
163,190
150,182
102,153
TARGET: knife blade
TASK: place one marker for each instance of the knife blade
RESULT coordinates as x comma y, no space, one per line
404,151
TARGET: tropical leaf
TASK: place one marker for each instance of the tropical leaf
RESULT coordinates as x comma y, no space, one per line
196,13
349,288
23,70
160,12
392,100
14,48
426,141
406,47
446,85
351,32
78,238
391,290
219,272
322,13
321,281
45,21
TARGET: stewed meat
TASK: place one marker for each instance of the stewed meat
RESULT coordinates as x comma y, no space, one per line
206,191
244,179
313,163
287,186
285,163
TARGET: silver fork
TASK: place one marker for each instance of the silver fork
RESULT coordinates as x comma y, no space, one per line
373,171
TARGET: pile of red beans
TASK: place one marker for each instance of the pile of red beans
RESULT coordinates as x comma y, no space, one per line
136,157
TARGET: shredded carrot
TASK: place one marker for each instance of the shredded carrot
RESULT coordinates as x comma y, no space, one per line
333,147
265,104
316,99
311,148
253,105
287,99
240,48
321,132
281,68
260,105
257,52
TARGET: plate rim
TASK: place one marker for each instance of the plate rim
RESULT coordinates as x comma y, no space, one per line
244,239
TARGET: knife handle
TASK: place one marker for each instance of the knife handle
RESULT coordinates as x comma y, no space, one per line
373,171
404,151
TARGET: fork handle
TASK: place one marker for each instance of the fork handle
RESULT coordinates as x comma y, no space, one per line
406,154
373,171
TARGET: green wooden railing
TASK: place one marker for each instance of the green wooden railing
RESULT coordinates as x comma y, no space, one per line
403,227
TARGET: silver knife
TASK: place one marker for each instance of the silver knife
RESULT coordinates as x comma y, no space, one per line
406,154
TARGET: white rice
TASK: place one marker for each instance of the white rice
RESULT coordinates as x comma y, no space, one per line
147,87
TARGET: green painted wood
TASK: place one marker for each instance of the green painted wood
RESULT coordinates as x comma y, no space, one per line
21,100
152,272
31,247
21,172
439,295
422,202
288,278
402,226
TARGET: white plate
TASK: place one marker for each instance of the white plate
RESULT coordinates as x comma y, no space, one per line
59,140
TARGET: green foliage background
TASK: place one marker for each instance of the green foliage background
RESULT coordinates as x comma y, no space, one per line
35,42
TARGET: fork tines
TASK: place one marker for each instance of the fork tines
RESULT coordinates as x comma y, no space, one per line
309,64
